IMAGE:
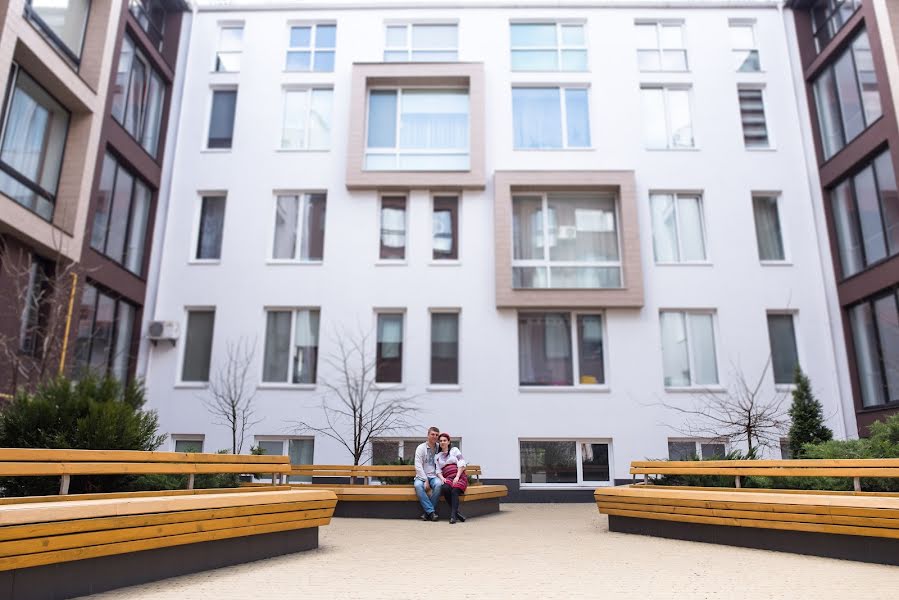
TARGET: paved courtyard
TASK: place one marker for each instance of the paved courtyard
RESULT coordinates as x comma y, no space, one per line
526,551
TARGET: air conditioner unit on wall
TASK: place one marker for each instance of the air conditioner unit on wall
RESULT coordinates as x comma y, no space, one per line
163,330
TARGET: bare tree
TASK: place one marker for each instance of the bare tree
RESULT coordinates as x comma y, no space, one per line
741,413
354,407
232,392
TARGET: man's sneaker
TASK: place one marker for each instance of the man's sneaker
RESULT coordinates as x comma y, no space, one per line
433,516
424,517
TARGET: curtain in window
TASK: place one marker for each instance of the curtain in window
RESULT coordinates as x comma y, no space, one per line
702,341
212,220
577,113
664,228
26,128
582,228
689,213
123,74
122,352
305,346
527,228
313,227
675,360
680,118
390,335
544,349
537,116
767,228
442,222
870,375
590,359
286,215
393,227
434,120
140,214
277,346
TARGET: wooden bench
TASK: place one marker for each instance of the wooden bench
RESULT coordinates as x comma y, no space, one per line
77,544
378,500
854,525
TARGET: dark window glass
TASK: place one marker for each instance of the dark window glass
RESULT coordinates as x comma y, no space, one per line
104,333
198,345
589,341
875,335
138,96
446,228
389,357
150,14
548,462
212,223
828,17
393,227
595,462
444,348
784,357
544,349
33,322
221,122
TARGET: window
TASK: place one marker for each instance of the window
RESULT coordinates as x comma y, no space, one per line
212,226
230,49
386,451
389,366
678,231
300,227
121,216
767,228
393,228
688,349
422,42
539,114
300,450
875,335
311,48
445,348
546,355
570,462
417,130
565,240
660,46
866,215
667,122
151,15
752,115
744,46
549,47
828,17
695,449
446,228
784,356
185,444
198,345
847,96
307,119
32,326
785,452
63,21
291,346
34,136
138,96
221,119
105,325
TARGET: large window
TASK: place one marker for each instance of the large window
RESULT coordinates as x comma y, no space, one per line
422,42
784,355
829,16
393,228
187,443
291,346
752,116
389,352
686,449
300,227
138,96
549,47
230,48
550,117
221,118
445,223
688,349
312,48
121,216
445,348
198,345
63,21
34,136
667,119
560,349
151,15
678,228
385,451
866,215
211,228
33,323
571,462
105,325
307,119
565,240
875,334
417,130
744,46
768,232
660,46
847,96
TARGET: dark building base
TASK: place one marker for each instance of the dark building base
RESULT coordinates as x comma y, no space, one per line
847,547
410,510
94,575
519,494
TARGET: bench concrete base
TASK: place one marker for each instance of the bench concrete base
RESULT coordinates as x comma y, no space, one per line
94,575
847,547
410,510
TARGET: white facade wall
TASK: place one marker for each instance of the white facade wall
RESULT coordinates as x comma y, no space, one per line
489,410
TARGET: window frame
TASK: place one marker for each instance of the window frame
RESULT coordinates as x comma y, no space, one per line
198,225
692,386
33,320
395,385
778,198
187,437
182,353
559,47
289,384
72,55
880,357
548,264
444,386
409,49
304,200
393,198
457,227
138,10
575,351
312,48
285,451
660,48
116,330
563,101
752,24
698,444
309,90
578,459
141,122
669,133
832,12
221,26
208,127
677,224
794,318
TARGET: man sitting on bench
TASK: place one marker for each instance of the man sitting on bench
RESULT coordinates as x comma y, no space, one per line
427,484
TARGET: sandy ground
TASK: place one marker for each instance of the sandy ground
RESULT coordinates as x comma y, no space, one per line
526,551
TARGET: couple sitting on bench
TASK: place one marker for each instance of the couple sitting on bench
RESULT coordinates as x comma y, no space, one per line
439,469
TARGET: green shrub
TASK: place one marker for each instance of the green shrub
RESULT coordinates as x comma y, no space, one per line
807,417
707,480
398,480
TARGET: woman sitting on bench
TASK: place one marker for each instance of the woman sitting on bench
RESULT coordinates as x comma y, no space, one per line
451,471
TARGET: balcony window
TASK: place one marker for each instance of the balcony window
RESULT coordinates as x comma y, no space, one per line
150,15
828,17
138,96
431,42
63,21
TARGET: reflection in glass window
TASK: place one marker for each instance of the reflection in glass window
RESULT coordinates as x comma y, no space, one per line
667,119
537,116
548,47
307,119
312,48
660,46
64,21
422,42
569,462
138,96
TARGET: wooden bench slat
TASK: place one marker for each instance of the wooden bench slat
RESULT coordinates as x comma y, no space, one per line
139,456
801,463
770,471
262,487
13,469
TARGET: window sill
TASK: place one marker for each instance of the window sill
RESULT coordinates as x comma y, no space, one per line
693,149
215,151
587,149
443,388
295,263
565,389
310,71
388,387
768,149
664,71
286,386
191,385
776,263
559,71
303,150
445,263
391,263
784,387
586,485
686,264
200,261
711,389
223,73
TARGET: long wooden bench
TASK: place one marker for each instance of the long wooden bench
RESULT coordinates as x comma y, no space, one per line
854,525
76,544
379,500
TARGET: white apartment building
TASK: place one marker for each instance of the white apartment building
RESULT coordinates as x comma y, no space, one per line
551,220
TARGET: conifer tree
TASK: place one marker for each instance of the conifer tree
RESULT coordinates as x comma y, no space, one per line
807,416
